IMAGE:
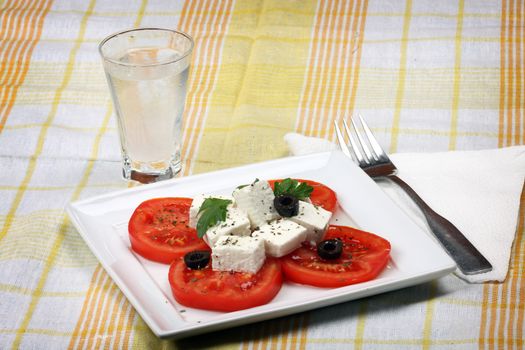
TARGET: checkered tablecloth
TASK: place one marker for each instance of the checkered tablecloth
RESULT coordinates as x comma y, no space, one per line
428,75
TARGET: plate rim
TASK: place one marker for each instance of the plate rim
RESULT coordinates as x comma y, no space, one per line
73,210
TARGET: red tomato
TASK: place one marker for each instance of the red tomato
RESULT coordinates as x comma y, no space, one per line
322,195
223,290
364,256
158,230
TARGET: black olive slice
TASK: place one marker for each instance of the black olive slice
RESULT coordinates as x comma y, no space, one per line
330,249
286,205
198,259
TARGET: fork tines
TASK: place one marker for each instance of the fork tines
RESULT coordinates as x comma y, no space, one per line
363,147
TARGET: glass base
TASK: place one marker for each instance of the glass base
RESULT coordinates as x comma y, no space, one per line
150,177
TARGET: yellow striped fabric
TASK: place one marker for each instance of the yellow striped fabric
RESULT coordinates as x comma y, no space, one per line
428,76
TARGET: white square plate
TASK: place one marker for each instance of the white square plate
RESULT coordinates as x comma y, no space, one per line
102,222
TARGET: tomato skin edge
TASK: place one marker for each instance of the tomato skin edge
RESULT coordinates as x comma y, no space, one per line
141,245
322,195
307,277
369,268
187,296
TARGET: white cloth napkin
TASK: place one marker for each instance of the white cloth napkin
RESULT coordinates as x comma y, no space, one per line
478,191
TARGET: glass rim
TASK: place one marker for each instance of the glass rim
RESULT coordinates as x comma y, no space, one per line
111,36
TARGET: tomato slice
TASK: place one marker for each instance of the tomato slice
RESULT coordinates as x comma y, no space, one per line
158,230
364,256
223,290
322,195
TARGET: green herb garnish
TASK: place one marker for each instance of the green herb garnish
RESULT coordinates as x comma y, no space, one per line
291,187
212,211
243,186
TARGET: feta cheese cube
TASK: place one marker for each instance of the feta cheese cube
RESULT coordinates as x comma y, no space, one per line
196,205
314,218
257,200
281,236
236,223
236,253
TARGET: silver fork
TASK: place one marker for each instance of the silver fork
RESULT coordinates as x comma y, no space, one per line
368,154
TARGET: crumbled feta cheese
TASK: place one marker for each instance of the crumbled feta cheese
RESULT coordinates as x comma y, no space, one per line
314,218
281,236
196,205
257,200
236,223
235,253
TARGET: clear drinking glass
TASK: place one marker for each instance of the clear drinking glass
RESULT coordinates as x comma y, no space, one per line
147,70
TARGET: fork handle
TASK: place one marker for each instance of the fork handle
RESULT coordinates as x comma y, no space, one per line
468,259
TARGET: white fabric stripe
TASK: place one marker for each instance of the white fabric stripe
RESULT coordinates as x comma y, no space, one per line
86,303
511,64
516,289
308,65
5,54
304,112
10,28
205,112
339,16
196,108
17,19
99,324
355,56
349,62
349,52
198,61
182,20
522,97
131,318
325,59
106,314
335,103
507,73
12,49
123,307
20,56
209,83
120,305
89,327
494,314
36,13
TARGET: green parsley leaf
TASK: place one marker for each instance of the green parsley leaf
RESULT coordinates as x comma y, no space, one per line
212,211
299,190
243,186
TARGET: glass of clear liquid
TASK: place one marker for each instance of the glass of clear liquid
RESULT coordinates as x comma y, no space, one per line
147,70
